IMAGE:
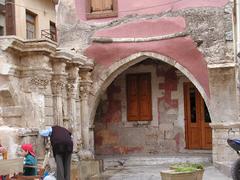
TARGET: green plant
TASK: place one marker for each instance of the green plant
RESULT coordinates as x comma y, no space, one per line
187,167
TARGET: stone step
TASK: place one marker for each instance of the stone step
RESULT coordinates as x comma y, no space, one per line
99,177
164,160
224,167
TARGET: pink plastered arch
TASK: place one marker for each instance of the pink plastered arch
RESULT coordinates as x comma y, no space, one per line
109,74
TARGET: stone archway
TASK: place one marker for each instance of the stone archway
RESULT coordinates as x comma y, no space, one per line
107,76
109,111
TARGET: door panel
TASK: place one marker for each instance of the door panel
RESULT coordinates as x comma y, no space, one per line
198,132
207,134
132,97
145,107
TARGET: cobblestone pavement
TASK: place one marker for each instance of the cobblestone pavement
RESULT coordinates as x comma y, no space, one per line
153,173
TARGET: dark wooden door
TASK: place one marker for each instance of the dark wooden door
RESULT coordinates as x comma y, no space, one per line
197,119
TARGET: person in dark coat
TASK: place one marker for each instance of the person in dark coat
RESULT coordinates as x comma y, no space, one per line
62,146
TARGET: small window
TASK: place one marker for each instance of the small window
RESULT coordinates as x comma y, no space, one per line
30,25
53,31
1,31
101,9
139,100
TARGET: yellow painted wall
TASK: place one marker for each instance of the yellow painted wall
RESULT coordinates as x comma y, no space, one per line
45,10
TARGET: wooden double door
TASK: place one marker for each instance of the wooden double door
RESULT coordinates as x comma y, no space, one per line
198,133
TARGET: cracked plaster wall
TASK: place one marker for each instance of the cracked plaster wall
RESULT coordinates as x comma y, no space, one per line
209,26
164,134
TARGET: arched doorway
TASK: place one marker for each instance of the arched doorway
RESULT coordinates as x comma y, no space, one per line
142,111
198,133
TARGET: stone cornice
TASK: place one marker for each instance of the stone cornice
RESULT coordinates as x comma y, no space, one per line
87,62
225,125
27,46
223,65
61,55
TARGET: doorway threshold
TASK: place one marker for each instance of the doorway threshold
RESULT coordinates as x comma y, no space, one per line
116,161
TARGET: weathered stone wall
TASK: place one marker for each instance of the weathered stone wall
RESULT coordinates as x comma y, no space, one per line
210,27
164,134
222,152
40,87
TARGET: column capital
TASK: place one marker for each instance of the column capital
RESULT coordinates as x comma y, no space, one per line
72,81
40,81
71,87
58,84
85,76
85,84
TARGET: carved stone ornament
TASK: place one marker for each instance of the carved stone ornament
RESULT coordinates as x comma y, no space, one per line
71,88
86,76
40,82
58,86
84,90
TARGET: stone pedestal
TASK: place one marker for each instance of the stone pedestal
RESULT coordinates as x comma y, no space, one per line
222,152
85,169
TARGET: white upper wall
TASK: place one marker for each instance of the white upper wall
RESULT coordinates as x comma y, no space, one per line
44,9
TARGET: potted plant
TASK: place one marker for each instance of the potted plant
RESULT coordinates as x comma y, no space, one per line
183,171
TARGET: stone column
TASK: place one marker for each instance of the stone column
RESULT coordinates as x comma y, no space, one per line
223,92
85,86
223,109
58,85
71,101
34,78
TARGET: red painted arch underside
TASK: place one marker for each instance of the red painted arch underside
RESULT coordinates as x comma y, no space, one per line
182,49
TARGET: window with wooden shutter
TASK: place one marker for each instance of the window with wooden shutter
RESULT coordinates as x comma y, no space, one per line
30,25
10,17
139,99
101,8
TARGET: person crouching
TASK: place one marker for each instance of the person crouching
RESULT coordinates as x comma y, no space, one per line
30,161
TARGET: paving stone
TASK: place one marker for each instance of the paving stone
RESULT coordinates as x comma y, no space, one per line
152,173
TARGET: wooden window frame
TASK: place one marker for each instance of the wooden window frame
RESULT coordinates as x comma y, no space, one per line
138,97
10,20
35,23
92,15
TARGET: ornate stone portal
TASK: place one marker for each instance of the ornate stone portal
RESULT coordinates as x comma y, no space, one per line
42,86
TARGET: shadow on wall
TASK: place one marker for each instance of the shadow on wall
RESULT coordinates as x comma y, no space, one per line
6,98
